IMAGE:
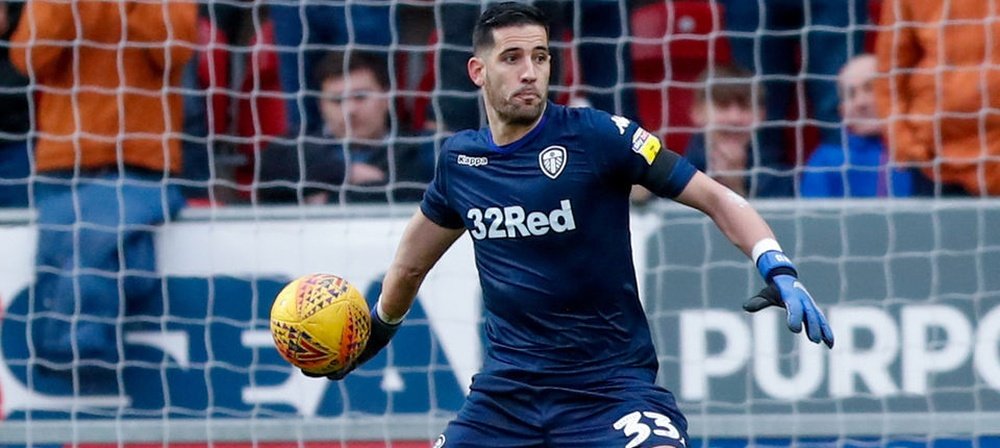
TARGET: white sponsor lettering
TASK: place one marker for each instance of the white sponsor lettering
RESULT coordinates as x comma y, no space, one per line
767,328
924,342
697,364
513,222
472,161
921,358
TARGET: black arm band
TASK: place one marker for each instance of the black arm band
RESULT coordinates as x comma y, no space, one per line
668,174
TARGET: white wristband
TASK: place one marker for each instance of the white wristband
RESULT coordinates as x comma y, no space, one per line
385,317
762,246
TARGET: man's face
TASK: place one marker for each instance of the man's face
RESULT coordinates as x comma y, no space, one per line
728,130
355,106
514,74
857,104
731,121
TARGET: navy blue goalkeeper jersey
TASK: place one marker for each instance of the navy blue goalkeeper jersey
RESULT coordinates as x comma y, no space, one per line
549,216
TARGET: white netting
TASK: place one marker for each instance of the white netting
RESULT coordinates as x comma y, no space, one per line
273,189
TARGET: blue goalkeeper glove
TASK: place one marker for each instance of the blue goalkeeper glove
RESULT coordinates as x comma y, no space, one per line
784,290
381,333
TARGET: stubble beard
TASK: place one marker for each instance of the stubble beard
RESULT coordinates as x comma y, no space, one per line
514,113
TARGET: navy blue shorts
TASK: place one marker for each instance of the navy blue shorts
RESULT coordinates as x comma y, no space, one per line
623,414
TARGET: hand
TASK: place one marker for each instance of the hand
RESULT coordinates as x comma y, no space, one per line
787,292
381,334
728,152
333,376
365,174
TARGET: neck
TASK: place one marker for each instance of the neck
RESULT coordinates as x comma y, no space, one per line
504,132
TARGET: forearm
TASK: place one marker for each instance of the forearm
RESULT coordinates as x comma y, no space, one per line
423,243
734,216
399,289
741,224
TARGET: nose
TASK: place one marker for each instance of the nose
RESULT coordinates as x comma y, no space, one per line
530,73
733,115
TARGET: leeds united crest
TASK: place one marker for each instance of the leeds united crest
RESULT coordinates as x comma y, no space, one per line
552,160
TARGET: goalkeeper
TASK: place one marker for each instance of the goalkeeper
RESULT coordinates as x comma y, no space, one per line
544,193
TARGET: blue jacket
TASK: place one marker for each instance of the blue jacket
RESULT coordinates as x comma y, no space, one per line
858,171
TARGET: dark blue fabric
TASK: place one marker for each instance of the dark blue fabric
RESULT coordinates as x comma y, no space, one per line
527,416
95,249
15,171
776,181
553,251
857,170
290,171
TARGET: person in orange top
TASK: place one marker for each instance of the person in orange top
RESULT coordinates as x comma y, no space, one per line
938,62
104,76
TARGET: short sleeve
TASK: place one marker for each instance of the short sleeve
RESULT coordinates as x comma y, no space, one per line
435,205
627,154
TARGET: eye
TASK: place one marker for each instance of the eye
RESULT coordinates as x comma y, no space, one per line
510,58
541,58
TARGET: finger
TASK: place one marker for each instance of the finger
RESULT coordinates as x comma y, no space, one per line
813,330
756,303
827,334
768,296
824,327
336,376
794,307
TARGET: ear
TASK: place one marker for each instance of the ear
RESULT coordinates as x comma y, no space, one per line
476,67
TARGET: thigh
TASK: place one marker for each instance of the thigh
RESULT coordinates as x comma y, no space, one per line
641,416
485,420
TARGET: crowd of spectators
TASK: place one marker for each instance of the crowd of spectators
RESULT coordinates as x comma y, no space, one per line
797,98
115,115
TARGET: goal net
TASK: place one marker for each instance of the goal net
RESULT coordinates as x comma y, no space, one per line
911,285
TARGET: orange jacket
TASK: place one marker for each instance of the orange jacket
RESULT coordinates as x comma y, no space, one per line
940,88
103,79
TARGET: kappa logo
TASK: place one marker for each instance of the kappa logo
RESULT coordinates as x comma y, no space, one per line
439,443
552,160
472,161
621,122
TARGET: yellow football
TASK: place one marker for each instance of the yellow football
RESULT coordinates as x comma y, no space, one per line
320,323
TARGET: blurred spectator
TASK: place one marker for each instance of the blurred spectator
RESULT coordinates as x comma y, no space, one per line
768,36
729,110
940,90
106,148
15,167
305,30
601,53
356,157
856,168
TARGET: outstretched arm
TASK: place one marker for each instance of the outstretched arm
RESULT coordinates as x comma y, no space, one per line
422,245
744,227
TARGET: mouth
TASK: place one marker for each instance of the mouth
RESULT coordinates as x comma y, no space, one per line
526,94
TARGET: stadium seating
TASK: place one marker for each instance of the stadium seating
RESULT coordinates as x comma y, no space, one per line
674,41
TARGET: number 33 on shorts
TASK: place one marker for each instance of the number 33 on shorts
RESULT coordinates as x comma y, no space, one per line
638,427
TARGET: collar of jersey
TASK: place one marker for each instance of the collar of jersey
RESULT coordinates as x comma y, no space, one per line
517,144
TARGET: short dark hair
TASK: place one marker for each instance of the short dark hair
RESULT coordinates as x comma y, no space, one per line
332,65
728,84
503,15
